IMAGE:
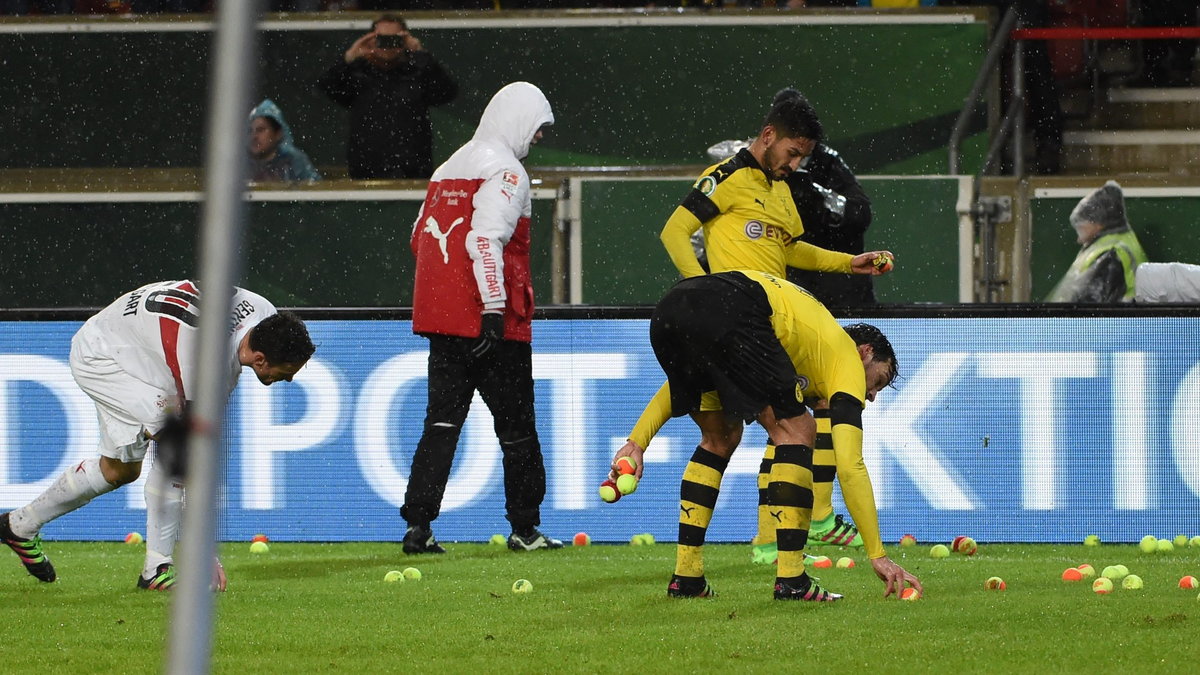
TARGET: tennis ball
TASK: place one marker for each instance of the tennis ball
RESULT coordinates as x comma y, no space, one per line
908,540
627,483
1165,546
910,594
1071,574
1087,571
1181,540
260,537
1121,570
1091,540
133,538
1103,586
259,547
647,538
995,584
393,576
822,562
626,466
522,586
1114,572
1131,583
412,574
845,563
637,540
884,262
609,491
963,545
1148,544
939,551
498,540
1194,541
1189,582
581,539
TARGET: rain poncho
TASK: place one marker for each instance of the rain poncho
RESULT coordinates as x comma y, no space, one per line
289,164
1103,272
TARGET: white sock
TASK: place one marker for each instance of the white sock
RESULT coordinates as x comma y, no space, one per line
75,487
164,512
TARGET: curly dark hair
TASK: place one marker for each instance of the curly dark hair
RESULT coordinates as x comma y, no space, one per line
794,117
282,338
866,334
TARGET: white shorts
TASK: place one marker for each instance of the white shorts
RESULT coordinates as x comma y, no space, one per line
128,409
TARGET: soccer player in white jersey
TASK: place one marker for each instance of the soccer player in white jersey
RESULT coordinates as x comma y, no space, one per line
136,360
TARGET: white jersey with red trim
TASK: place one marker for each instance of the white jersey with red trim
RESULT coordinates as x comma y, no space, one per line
151,332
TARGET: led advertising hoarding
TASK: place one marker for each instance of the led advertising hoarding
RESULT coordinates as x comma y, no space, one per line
1039,429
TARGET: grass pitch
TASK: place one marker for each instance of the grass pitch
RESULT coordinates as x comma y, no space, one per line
603,608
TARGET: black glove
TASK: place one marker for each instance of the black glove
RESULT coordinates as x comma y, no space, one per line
491,331
173,444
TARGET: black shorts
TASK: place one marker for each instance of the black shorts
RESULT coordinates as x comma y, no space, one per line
714,333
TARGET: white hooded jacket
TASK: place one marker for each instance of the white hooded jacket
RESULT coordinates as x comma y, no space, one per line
471,236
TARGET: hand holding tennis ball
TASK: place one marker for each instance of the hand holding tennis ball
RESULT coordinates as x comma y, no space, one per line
873,263
627,484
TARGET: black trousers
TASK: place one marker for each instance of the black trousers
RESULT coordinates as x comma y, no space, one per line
504,378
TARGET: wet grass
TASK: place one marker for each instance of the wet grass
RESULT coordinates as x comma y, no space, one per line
326,608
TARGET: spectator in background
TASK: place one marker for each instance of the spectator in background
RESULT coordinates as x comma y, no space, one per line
473,299
273,156
1103,272
1168,63
388,82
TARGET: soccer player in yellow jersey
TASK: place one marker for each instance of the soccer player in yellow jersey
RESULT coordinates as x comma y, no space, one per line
750,222
741,346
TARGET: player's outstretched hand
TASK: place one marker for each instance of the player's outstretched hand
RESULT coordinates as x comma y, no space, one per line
630,449
873,263
894,577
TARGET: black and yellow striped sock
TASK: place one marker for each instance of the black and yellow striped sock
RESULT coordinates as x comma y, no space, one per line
824,468
766,522
698,493
791,504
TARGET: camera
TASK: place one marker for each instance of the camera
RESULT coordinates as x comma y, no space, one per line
389,42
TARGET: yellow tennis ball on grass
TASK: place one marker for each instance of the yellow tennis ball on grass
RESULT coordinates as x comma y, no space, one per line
259,547
393,576
522,586
412,574
1132,582
1148,544
939,551
1103,586
995,584
133,538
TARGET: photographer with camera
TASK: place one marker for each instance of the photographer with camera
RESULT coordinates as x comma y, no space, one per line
388,81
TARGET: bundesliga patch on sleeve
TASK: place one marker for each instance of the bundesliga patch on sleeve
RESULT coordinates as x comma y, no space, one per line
508,184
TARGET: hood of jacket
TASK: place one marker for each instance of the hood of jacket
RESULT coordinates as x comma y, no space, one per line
513,116
268,109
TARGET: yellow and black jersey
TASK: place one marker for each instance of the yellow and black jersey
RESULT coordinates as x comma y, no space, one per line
828,366
750,222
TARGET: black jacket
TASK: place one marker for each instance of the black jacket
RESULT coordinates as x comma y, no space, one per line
390,133
831,224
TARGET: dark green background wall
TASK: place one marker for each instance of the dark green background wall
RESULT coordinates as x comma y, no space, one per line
625,263
635,95
302,254
1166,226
